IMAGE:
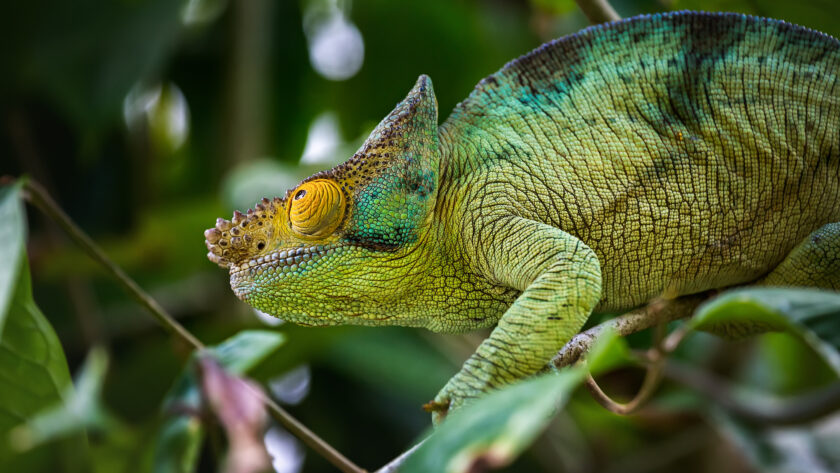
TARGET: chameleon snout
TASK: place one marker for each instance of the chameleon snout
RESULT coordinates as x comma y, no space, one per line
245,236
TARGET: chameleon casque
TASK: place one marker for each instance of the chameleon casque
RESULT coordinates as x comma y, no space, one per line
659,155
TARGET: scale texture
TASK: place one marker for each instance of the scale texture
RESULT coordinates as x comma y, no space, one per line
661,155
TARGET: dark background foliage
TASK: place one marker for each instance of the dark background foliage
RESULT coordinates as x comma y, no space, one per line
147,119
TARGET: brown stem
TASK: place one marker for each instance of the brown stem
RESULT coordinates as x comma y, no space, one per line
78,290
249,82
657,313
598,11
41,199
307,436
635,321
673,340
653,375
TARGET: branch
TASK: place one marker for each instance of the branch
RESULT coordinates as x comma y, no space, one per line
307,436
659,311
653,376
653,371
598,11
41,199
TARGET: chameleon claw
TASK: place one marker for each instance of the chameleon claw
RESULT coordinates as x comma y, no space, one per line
436,407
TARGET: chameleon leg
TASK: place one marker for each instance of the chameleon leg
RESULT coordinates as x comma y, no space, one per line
561,282
815,262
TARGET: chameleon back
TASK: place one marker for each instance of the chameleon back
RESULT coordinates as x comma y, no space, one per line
689,150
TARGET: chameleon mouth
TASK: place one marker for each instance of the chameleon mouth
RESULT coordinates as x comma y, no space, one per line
280,264
287,261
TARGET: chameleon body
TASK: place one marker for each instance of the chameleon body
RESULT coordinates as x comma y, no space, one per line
659,155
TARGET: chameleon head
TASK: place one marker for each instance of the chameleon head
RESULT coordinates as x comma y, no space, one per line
343,246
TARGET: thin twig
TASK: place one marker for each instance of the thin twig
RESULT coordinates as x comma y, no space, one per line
41,199
659,312
764,410
653,375
673,340
307,436
653,370
598,11
78,288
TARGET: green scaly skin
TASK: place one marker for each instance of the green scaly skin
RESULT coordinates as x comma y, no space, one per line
660,155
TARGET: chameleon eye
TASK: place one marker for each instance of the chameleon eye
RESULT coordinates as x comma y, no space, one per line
316,208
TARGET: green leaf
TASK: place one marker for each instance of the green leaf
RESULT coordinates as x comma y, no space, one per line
12,234
812,315
82,411
610,351
494,430
811,448
178,445
179,439
245,350
33,373
33,370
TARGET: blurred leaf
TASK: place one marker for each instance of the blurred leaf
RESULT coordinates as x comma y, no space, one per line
782,450
177,445
810,314
493,431
180,437
247,183
85,55
816,14
12,234
33,370
610,351
240,412
780,363
391,360
149,252
555,7
169,119
242,352
82,411
125,448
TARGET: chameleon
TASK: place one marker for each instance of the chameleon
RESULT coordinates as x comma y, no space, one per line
657,156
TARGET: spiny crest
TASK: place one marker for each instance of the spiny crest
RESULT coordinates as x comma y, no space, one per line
232,241
403,147
403,137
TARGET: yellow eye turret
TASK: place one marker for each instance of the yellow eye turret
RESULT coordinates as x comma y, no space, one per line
316,208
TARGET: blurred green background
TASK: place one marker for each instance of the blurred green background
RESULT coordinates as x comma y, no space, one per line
147,119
